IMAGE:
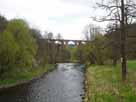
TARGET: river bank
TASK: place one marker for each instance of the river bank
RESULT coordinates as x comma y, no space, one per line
64,84
15,77
103,84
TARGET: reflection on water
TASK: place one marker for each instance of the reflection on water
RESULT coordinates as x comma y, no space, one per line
65,84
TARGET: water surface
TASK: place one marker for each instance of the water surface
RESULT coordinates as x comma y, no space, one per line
65,84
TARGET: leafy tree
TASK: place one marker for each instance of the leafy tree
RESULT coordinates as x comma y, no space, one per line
36,33
121,12
8,50
94,52
98,51
27,46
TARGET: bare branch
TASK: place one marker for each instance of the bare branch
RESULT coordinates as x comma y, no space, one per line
104,19
131,6
111,12
107,6
114,11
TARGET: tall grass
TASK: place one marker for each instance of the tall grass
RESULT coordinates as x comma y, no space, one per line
104,84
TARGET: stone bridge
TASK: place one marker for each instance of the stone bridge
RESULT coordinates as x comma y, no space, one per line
65,42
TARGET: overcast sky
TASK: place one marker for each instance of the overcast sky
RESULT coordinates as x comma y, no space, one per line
67,17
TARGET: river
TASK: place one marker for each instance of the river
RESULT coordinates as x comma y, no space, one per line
65,84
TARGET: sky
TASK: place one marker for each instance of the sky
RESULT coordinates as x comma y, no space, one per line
67,17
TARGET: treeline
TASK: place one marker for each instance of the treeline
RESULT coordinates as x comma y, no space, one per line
51,52
104,48
17,46
23,47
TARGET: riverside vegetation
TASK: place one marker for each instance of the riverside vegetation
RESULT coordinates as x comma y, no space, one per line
23,56
103,59
16,77
22,49
103,84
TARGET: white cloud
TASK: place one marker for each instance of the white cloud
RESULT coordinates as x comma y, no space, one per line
67,17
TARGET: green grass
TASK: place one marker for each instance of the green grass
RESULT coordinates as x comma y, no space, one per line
132,64
18,76
103,84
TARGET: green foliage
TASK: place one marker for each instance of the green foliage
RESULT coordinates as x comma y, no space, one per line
79,54
73,51
94,52
10,78
105,85
8,50
26,43
36,33
100,50
17,46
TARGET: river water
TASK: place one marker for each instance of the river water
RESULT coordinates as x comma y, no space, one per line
65,84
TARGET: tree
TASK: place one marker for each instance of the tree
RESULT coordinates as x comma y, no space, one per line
113,35
36,33
131,41
97,50
79,54
50,35
91,31
122,12
59,36
93,52
3,23
8,50
51,48
26,43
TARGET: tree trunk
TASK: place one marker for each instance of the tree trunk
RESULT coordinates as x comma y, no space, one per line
123,41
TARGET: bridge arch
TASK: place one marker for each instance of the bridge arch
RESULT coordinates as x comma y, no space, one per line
64,42
71,43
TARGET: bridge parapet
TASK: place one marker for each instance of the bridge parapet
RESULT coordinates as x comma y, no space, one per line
66,42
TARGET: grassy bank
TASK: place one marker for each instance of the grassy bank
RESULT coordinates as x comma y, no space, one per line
103,84
15,77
